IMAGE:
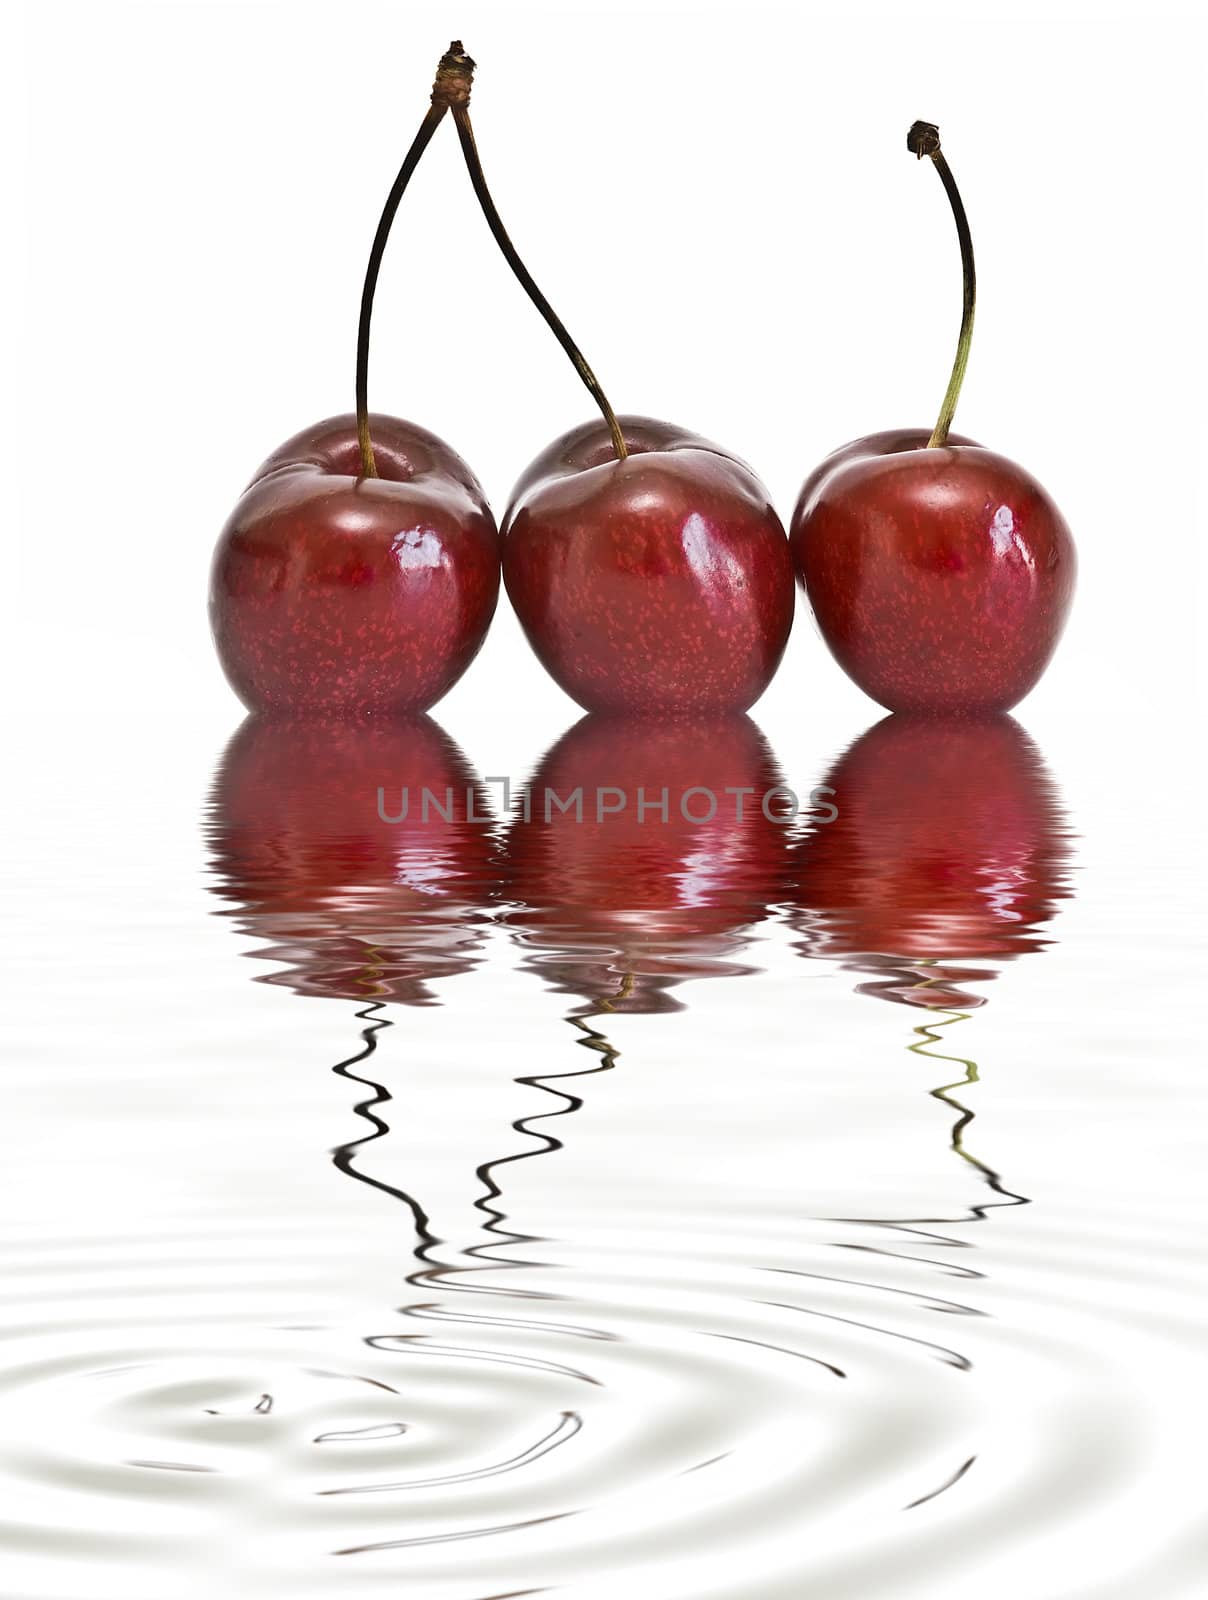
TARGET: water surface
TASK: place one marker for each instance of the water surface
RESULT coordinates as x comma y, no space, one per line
487,1205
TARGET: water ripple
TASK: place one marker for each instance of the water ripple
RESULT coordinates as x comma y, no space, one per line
716,1270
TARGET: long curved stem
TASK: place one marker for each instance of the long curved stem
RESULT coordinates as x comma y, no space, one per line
924,140
453,77
418,145
469,149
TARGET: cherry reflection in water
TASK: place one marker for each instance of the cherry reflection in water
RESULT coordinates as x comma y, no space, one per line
947,859
372,901
658,874
357,896
363,856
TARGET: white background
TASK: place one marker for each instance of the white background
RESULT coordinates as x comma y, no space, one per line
720,204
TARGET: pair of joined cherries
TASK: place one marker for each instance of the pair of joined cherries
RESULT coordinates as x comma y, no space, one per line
359,571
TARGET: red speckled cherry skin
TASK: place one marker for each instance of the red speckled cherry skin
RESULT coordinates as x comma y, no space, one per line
334,594
949,845
347,904
940,578
619,906
658,585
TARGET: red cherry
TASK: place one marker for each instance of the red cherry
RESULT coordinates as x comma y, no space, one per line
618,905
949,846
940,573
647,566
657,584
940,578
334,593
351,905
359,572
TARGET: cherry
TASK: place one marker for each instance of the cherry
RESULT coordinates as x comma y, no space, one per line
334,592
352,903
940,573
643,855
659,583
949,846
647,566
359,571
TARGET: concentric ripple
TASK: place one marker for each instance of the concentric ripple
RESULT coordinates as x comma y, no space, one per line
730,1398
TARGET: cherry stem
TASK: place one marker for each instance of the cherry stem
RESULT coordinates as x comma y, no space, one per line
469,149
924,140
453,77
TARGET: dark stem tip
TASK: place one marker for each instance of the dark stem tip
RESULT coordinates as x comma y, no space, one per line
454,77
923,140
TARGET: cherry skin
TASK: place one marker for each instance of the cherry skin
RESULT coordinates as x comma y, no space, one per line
352,899
657,585
949,846
337,594
940,578
619,906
